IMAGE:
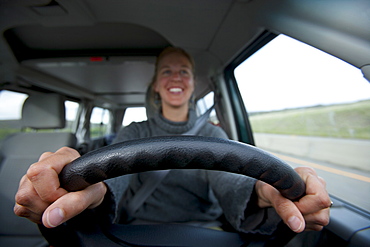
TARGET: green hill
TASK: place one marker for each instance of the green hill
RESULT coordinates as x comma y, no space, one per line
342,121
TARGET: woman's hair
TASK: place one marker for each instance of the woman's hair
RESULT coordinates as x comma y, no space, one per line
152,97
170,50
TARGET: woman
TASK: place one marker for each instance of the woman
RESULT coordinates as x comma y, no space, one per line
192,197
171,91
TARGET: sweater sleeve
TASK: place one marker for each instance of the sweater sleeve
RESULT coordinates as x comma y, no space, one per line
237,198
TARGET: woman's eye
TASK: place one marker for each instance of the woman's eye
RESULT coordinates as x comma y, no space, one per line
184,72
166,72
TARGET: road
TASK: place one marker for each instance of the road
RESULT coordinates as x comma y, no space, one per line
351,185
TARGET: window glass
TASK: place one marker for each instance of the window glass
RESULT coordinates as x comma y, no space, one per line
204,104
71,113
313,109
10,112
99,122
134,114
11,104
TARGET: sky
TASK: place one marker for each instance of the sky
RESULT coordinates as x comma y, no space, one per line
266,81
268,78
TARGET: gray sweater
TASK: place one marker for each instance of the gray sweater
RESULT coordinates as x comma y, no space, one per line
195,197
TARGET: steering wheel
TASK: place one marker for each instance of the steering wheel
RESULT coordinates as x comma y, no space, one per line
162,153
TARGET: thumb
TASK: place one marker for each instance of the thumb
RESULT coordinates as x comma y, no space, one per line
72,204
285,208
289,213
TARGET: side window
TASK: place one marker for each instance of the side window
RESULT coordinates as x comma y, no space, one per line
10,112
311,109
204,104
99,122
71,114
11,104
134,114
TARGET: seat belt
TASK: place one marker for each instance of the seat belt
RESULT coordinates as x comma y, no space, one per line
200,122
156,177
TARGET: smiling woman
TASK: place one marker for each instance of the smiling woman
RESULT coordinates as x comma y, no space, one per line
174,82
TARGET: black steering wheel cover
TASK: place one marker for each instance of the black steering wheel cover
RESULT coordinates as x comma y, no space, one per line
181,152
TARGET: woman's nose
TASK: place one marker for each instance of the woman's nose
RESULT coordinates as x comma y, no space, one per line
176,75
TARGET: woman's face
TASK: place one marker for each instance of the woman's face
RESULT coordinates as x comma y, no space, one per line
175,80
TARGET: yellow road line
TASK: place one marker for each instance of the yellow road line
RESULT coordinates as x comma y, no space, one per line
325,168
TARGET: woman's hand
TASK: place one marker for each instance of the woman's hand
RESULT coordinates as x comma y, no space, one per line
40,197
311,212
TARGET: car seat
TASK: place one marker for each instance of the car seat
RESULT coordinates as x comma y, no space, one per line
17,152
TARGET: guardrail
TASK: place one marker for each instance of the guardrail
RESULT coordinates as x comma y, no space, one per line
352,153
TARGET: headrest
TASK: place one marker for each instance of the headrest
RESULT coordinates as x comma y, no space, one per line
44,111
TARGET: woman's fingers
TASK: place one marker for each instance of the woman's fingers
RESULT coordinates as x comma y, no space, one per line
28,203
317,197
40,197
311,212
46,171
40,186
72,204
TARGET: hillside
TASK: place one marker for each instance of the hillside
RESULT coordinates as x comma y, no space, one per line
342,121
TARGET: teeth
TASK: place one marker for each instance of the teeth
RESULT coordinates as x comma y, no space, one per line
175,90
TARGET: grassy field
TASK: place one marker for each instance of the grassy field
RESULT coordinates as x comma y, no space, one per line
8,127
341,121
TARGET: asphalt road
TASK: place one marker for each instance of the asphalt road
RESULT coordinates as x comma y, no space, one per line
351,185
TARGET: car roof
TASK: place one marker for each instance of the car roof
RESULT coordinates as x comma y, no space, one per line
105,50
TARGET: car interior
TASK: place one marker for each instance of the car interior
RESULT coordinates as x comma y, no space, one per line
81,69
